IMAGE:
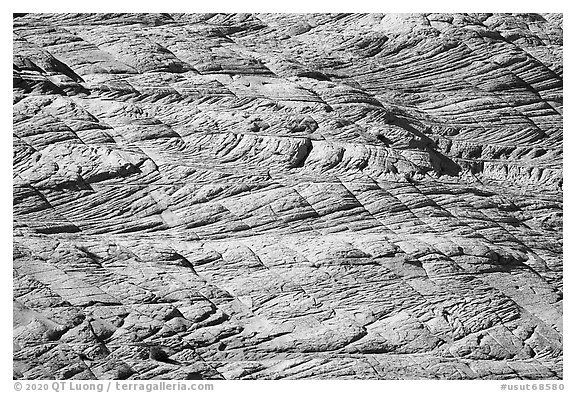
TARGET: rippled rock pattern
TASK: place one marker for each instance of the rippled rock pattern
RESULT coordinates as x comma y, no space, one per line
202,196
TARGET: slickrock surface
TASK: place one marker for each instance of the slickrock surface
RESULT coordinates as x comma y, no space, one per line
287,196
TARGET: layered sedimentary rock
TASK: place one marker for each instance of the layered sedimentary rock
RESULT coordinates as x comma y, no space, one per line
202,196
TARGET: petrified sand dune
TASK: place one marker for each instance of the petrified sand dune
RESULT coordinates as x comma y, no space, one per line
287,196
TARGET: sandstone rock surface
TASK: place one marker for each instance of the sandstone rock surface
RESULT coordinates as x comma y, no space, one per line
287,196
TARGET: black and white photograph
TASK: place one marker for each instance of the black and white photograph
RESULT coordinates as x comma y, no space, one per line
287,196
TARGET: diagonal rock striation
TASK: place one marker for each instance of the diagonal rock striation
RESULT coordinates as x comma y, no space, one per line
267,196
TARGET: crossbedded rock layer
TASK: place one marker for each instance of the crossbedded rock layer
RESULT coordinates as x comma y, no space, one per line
287,196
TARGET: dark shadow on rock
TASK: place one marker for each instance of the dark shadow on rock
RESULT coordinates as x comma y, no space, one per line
421,141
313,75
442,164
302,154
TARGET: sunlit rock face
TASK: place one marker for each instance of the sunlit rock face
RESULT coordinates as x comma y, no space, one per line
287,196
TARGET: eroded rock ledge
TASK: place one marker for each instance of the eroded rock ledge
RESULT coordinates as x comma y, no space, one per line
287,196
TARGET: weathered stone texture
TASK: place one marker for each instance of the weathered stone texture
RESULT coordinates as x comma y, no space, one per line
287,196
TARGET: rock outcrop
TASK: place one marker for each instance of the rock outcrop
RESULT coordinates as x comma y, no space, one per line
287,196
